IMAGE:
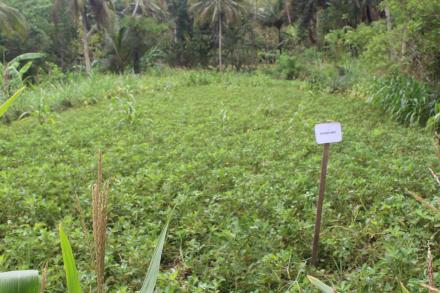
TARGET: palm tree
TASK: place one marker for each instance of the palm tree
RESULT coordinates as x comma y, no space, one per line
127,45
221,12
275,15
309,10
182,23
137,31
80,15
368,10
11,21
154,8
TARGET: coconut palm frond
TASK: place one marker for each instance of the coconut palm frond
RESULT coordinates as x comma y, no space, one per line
208,11
12,22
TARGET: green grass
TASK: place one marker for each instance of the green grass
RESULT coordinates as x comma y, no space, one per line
236,155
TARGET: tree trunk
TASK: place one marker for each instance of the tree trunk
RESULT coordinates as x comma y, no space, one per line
255,10
287,8
388,18
369,14
313,27
220,61
254,47
403,47
136,61
280,40
85,40
136,8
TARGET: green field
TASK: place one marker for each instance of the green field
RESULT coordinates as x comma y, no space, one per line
236,154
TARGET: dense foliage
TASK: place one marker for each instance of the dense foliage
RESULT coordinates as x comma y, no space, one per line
232,150
134,35
236,154
382,37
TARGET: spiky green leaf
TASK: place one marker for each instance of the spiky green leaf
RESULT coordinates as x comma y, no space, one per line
72,276
153,270
8,103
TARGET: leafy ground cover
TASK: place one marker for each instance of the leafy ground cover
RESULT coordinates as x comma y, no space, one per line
236,155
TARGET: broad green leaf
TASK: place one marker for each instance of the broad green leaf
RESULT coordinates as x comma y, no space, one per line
20,282
72,276
320,285
27,57
25,68
153,270
8,103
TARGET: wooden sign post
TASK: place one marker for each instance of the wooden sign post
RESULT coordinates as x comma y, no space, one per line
325,134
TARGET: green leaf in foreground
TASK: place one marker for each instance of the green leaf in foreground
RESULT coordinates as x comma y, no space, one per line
153,270
8,103
72,276
320,285
20,282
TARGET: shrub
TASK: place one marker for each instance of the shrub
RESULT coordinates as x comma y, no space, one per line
310,65
434,121
151,58
267,57
406,99
287,67
358,40
323,77
333,77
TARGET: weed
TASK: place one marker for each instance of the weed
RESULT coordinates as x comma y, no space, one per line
287,67
100,203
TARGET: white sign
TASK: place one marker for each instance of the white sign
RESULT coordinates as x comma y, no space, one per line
328,132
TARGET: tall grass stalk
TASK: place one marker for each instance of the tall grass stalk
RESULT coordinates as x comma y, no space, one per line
100,203
44,278
424,202
86,231
430,270
431,289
